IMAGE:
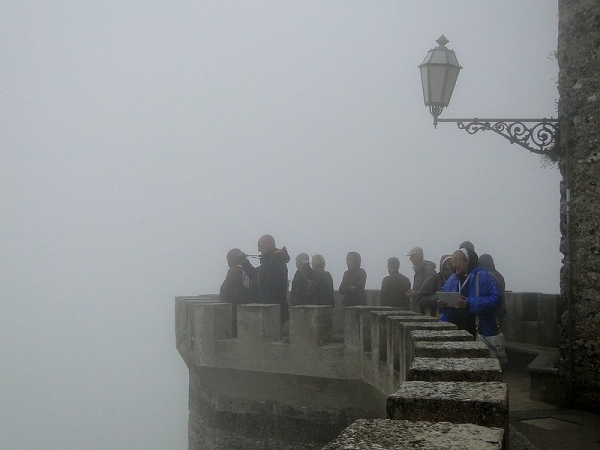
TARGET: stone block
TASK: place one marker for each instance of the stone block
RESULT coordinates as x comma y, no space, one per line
379,333
484,404
440,335
259,323
406,344
209,322
463,349
395,344
455,369
311,325
384,434
354,328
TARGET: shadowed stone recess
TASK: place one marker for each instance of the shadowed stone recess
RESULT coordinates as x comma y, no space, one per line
455,369
385,434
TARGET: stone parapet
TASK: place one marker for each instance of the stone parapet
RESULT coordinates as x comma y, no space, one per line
484,404
455,369
461,349
386,434
440,335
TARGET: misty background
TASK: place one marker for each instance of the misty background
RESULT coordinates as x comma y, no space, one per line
141,140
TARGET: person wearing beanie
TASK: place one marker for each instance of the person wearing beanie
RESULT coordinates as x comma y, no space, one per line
479,291
236,287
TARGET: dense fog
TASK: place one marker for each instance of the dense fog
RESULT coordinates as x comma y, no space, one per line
142,140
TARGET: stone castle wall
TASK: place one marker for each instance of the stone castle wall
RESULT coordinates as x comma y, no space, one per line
261,391
579,113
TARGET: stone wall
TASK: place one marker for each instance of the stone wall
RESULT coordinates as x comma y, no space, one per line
263,390
579,113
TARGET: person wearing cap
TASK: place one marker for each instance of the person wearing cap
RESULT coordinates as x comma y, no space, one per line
303,284
426,298
423,269
479,291
394,286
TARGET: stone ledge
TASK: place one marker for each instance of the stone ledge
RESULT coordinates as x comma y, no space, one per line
460,349
455,369
386,434
480,403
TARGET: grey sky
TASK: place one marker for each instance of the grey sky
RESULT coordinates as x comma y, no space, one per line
140,141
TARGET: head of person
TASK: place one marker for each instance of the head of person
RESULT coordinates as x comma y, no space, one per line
464,261
233,257
353,260
301,260
393,265
468,245
446,267
487,261
318,262
265,243
415,255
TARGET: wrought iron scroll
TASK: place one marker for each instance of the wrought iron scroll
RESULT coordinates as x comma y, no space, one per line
540,137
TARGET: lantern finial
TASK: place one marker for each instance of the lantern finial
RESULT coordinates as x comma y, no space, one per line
442,41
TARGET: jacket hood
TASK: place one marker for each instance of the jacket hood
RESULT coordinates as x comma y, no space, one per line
487,261
278,253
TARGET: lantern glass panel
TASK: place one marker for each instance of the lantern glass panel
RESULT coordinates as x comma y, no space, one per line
437,76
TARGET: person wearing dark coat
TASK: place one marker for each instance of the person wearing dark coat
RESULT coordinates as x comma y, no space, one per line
423,269
271,276
353,282
303,284
323,294
235,289
395,286
487,261
426,298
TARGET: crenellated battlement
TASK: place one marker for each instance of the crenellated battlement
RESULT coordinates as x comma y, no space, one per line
335,366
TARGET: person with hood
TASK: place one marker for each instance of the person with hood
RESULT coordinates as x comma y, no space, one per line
353,282
323,294
426,298
394,286
480,295
236,287
423,270
487,261
271,276
303,284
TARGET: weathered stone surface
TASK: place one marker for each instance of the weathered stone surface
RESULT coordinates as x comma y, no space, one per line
311,325
379,333
385,434
465,349
483,404
579,111
406,343
440,335
259,323
355,328
455,369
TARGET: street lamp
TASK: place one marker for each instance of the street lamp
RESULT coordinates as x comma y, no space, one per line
439,72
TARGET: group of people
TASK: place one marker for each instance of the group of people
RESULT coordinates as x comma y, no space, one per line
480,285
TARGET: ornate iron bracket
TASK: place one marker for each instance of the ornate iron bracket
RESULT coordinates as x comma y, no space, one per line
540,138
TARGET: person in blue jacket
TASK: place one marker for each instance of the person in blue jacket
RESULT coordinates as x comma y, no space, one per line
483,302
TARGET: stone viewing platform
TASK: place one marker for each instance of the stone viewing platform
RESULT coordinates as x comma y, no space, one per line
337,365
